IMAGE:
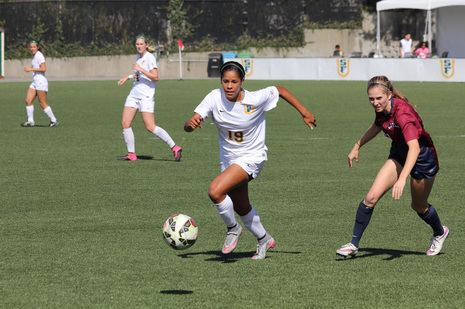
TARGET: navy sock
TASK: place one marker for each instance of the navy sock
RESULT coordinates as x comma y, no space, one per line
362,218
432,218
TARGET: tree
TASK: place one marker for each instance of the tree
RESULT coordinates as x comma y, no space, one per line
178,26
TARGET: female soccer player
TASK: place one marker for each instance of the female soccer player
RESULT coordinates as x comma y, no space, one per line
412,153
38,87
141,98
239,116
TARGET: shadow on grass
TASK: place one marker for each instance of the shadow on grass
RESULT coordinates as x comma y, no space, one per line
391,254
145,158
176,292
38,126
217,256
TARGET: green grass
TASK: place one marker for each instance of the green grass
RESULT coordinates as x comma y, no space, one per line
80,228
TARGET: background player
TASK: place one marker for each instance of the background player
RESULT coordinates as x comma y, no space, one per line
412,152
141,98
239,116
38,87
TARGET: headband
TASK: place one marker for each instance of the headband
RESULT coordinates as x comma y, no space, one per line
233,64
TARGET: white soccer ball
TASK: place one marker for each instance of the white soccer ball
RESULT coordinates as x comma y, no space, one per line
180,231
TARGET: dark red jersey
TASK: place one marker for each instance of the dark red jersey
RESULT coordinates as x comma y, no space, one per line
403,124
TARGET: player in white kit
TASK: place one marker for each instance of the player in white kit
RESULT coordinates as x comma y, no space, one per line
239,116
38,87
141,98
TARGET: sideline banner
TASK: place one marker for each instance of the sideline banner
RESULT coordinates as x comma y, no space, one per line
434,70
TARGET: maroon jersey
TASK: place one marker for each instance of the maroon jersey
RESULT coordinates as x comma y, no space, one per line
403,124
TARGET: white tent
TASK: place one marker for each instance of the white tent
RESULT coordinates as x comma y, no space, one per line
451,22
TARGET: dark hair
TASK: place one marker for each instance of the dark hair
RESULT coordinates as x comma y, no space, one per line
385,83
233,66
36,43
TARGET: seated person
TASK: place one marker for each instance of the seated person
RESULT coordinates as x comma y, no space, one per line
422,51
338,52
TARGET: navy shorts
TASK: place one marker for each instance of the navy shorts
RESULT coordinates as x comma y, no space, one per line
427,165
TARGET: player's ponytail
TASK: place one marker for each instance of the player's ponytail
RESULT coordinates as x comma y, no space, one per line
385,83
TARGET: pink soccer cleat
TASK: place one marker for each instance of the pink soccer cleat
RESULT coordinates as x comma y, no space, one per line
131,156
347,250
177,152
232,237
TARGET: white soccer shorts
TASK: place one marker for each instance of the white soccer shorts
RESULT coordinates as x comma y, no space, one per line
252,166
144,105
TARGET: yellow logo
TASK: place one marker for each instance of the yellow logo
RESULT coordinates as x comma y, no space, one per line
249,109
343,67
247,63
447,67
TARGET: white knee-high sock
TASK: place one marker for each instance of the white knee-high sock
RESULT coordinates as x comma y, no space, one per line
48,111
129,139
253,224
30,112
226,211
164,136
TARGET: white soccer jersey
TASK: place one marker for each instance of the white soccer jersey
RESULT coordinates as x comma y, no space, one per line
144,87
241,125
37,60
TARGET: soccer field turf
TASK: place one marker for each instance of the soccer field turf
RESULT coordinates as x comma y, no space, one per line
80,228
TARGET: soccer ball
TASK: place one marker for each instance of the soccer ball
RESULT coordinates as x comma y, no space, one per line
180,231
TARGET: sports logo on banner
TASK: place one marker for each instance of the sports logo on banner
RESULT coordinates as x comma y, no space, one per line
343,67
447,67
248,66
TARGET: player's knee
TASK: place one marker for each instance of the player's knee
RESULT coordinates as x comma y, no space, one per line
370,200
419,207
215,194
125,124
150,128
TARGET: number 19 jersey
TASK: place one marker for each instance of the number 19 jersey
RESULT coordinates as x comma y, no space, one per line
241,125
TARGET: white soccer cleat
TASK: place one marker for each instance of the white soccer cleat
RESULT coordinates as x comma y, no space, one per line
437,242
262,248
232,237
28,124
53,123
348,249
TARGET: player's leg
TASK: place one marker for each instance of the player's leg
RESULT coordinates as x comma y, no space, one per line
42,96
30,96
385,179
126,122
251,220
420,190
149,122
230,178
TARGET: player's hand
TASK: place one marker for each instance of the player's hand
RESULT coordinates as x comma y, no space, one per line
353,155
309,119
27,69
122,81
398,189
193,123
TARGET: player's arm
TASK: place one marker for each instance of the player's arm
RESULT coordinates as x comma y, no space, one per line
152,74
412,156
193,123
290,98
370,133
42,68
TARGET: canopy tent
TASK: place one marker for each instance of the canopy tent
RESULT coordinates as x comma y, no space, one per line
428,5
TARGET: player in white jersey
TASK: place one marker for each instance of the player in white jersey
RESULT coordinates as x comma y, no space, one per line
239,116
141,98
38,87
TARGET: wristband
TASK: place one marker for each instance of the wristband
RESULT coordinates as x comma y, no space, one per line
130,76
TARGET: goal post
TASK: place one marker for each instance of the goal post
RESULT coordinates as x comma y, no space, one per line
2,53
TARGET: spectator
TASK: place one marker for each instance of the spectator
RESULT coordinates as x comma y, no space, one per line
406,46
338,52
422,51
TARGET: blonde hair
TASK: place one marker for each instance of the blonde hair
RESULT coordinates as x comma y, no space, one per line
383,82
150,47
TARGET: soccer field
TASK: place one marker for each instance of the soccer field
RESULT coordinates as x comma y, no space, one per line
81,228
